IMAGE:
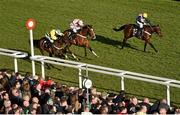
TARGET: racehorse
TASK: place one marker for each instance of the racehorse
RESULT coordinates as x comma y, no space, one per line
55,48
81,38
130,30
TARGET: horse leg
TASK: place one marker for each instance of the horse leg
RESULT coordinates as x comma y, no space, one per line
153,47
145,44
124,42
85,51
93,52
50,54
68,49
41,50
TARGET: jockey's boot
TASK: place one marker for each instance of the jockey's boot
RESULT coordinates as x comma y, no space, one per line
140,33
50,42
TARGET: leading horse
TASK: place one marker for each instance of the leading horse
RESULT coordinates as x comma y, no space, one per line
131,29
81,38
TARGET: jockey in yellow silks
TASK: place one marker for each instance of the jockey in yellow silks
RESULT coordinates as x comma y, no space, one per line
54,33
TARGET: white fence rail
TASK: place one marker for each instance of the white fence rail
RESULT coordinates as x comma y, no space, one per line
104,70
94,68
14,54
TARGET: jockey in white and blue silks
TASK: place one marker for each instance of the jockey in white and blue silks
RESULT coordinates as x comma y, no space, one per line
141,20
76,25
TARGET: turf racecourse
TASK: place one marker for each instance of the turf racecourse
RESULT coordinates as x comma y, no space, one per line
103,15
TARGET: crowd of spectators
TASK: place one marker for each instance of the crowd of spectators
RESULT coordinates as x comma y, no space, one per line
24,94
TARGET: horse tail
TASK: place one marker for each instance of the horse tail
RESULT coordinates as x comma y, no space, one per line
119,28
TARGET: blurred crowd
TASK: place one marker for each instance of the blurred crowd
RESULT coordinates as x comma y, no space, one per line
24,94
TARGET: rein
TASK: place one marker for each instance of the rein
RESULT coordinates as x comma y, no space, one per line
57,47
147,32
81,36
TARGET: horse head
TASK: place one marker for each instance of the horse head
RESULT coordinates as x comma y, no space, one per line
88,30
157,29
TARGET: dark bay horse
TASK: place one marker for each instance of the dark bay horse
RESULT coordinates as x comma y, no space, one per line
55,49
130,30
81,38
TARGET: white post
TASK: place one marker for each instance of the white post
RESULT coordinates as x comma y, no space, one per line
80,78
42,70
87,97
32,51
122,83
168,95
122,80
88,84
15,65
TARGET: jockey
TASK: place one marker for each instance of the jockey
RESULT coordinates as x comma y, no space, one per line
141,20
75,26
53,35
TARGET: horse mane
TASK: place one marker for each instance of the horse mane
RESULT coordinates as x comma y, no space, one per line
86,26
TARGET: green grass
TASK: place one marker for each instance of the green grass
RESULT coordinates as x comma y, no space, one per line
103,15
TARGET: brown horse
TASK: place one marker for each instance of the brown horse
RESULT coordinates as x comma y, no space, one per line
130,30
81,38
55,49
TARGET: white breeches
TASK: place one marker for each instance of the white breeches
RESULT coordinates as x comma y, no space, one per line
140,24
75,28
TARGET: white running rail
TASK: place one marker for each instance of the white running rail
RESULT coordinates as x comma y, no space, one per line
14,54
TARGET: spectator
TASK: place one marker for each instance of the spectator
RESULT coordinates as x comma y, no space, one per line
162,111
104,109
26,88
33,111
26,107
15,96
142,111
132,107
163,104
122,111
177,111
7,106
86,111
146,103
120,97
4,81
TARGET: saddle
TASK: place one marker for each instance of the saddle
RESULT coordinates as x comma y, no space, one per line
72,34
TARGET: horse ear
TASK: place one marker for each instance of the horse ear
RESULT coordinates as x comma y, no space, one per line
90,26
